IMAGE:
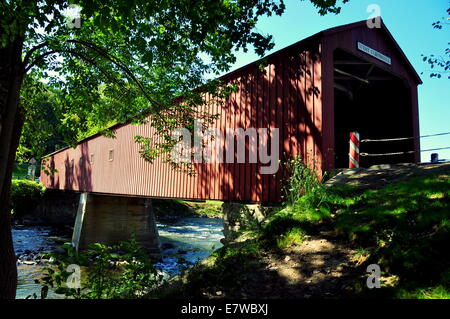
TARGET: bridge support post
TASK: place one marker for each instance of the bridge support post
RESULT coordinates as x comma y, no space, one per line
111,219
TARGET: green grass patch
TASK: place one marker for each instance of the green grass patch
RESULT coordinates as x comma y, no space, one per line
210,209
21,171
309,204
438,292
168,208
406,227
293,237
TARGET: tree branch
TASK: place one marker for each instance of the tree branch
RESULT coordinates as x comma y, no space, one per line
27,57
32,64
118,63
102,53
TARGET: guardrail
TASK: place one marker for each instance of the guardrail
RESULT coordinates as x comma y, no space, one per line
355,142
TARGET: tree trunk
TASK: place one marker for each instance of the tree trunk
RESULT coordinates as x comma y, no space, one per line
11,122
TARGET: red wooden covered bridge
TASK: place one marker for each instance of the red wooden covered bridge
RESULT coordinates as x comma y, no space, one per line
316,91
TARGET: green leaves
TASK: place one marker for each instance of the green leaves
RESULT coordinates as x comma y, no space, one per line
440,65
25,195
109,272
328,6
129,59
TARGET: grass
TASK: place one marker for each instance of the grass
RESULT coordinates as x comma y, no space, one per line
437,292
21,171
292,237
289,224
209,208
405,228
167,208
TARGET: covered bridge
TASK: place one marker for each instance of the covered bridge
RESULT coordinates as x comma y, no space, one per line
316,91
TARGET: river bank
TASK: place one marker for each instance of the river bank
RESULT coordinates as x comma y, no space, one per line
184,241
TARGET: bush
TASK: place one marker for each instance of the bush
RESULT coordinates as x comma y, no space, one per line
307,204
302,183
25,196
122,271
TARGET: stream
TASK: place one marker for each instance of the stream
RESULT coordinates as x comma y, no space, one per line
183,243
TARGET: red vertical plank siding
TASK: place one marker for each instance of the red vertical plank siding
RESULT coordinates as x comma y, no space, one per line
293,101
254,123
309,109
247,166
199,175
327,64
239,177
212,154
286,122
237,123
203,168
259,124
272,121
265,118
302,106
317,76
226,166
232,117
279,124
218,146
221,105
207,178
242,119
211,143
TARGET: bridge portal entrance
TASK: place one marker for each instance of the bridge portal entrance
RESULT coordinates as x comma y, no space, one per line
375,103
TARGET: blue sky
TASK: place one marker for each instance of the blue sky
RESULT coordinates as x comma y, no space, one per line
410,24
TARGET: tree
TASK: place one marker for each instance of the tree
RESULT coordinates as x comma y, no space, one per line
115,60
439,64
42,132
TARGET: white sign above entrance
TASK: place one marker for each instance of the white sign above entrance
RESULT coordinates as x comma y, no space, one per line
374,53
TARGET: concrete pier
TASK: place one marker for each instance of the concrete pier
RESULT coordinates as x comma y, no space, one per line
111,219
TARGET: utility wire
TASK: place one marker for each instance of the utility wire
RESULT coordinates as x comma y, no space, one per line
403,138
408,152
436,149
386,154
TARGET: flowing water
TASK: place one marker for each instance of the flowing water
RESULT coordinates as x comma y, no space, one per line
188,241
183,244
32,240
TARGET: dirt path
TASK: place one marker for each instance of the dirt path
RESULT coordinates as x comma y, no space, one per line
323,266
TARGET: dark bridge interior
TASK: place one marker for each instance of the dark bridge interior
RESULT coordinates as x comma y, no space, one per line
375,103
